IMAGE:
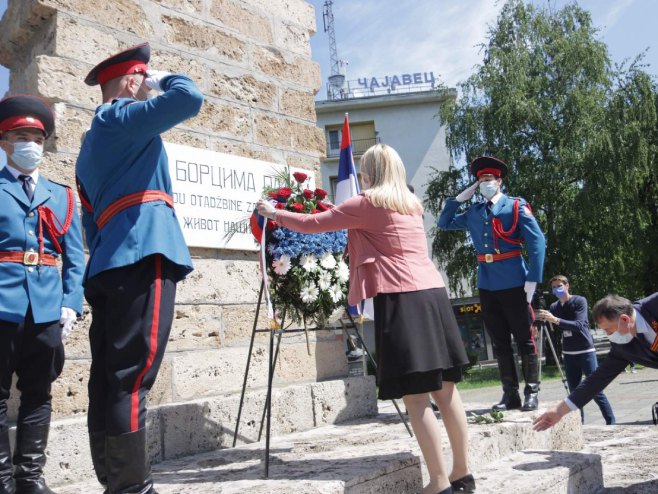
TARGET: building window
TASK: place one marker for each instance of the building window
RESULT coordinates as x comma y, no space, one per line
334,140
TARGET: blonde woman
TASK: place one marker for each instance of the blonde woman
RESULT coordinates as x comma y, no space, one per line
419,349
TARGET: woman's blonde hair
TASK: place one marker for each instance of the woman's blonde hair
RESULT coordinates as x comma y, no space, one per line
388,180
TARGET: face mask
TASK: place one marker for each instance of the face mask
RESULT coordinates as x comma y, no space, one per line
559,291
489,188
27,155
620,339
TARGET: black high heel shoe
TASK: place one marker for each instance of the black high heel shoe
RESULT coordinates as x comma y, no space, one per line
465,484
447,490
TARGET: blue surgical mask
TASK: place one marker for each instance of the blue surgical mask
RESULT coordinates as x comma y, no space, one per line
620,339
27,155
489,188
559,291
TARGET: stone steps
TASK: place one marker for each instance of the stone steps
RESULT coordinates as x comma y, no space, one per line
545,472
373,455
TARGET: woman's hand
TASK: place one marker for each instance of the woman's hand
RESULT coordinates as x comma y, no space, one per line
265,209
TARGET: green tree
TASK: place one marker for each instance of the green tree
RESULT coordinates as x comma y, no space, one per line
580,139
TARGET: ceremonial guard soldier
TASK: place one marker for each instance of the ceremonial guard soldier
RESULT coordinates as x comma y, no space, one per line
137,254
498,227
38,307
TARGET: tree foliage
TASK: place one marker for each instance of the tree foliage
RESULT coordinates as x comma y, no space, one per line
580,139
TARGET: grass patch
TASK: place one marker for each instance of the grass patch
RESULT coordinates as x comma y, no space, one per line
488,376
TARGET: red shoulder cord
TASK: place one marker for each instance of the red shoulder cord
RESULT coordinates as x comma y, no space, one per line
498,231
83,199
53,225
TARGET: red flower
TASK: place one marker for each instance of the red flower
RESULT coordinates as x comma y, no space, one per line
308,193
322,206
298,207
271,225
320,193
284,193
280,205
300,177
272,195
315,211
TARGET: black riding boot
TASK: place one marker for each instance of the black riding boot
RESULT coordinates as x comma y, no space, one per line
530,366
128,466
510,381
7,485
30,458
97,447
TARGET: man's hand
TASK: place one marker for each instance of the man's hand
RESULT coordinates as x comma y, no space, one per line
544,315
67,320
154,79
529,289
550,417
468,193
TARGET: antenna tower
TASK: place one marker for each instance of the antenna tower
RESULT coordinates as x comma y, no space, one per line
337,77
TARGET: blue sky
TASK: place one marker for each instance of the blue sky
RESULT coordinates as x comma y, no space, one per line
389,37
392,37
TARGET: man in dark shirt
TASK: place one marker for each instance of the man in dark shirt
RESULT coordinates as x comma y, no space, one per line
569,313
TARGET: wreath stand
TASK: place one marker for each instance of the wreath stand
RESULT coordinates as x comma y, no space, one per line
273,354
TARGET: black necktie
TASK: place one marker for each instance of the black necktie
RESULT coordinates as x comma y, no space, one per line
27,186
489,207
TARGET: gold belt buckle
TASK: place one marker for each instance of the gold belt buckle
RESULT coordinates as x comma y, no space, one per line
488,258
31,258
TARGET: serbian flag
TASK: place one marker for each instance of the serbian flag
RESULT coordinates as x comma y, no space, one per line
348,186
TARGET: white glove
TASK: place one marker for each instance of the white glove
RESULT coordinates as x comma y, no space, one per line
529,289
468,193
154,79
67,320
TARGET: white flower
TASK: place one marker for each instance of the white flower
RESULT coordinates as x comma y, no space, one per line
309,293
336,293
324,280
328,261
308,262
281,265
342,272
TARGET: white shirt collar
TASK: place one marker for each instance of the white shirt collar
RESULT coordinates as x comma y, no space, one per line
642,327
497,197
34,175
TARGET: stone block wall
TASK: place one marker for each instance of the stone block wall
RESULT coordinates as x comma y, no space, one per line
252,60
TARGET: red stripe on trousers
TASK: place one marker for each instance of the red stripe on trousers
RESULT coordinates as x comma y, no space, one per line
532,328
155,322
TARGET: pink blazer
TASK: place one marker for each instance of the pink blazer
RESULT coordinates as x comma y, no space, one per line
388,250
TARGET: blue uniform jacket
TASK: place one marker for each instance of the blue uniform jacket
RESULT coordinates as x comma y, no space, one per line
123,153
638,351
40,287
510,273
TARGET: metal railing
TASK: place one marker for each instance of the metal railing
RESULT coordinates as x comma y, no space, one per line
359,146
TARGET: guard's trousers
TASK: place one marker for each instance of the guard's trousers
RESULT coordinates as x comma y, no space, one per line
506,313
36,354
132,312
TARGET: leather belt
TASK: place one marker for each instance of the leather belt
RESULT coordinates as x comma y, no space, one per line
498,257
27,258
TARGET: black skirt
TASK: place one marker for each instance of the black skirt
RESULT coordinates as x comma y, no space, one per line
417,341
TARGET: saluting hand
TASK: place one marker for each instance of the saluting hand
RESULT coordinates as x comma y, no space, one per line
154,79
468,193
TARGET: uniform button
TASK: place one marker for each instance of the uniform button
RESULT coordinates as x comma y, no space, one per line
485,234
31,233
30,269
30,214
486,222
486,245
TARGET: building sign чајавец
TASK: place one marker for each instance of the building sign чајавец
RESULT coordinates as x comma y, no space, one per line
215,194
